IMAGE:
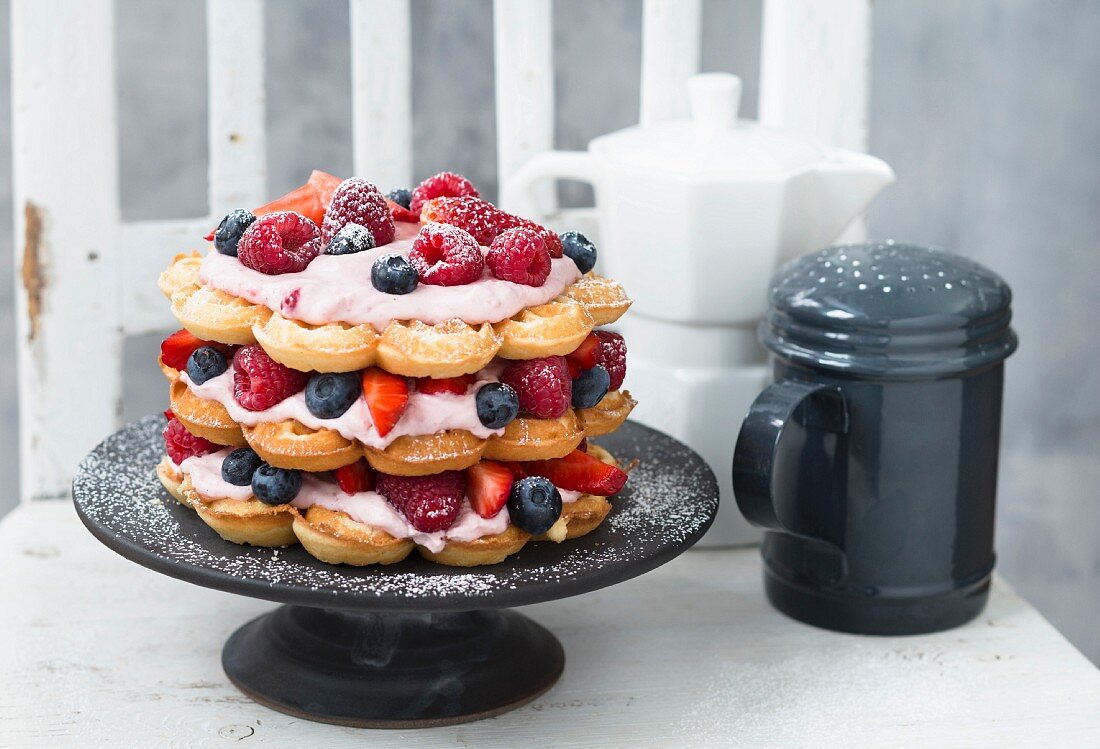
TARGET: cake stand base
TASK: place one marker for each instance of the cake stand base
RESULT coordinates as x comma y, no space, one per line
392,669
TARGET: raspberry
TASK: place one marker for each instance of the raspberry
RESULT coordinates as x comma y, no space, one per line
543,385
180,444
259,382
484,220
280,242
519,255
442,185
446,256
429,503
357,201
612,355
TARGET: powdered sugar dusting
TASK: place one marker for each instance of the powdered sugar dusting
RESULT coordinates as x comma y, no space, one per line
668,503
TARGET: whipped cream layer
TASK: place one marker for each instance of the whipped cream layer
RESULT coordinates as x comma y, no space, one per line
369,508
337,288
425,414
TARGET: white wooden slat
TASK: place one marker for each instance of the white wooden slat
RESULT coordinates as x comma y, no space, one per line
671,35
381,92
524,76
145,249
815,74
235,50
815,68
65,176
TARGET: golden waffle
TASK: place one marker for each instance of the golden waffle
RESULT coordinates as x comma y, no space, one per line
607,415
485,550
447,349
537,439
335,538
247,521
290,444
552,329
171,479
423,455
411,348
181,275
213,315
335,347
204,418
605,300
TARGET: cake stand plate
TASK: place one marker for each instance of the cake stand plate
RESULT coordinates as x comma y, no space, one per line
406,645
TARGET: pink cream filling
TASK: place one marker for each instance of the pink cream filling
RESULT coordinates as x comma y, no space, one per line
369,508
424,414
338,289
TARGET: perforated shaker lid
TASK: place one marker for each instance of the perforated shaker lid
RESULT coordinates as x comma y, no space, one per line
889,310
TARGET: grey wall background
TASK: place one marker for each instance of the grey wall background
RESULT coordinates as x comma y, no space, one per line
989,111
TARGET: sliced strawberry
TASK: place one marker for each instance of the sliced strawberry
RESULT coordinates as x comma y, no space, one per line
177,348
358,477
386,396
488,484
517,469
401,213
453,385
324,184
311,199
580,472
586,355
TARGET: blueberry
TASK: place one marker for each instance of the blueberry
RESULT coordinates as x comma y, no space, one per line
392,274
401,196
578,247
330,394
351,239
231,228
590,387
205,362
276,486
534,504
497,404
239,465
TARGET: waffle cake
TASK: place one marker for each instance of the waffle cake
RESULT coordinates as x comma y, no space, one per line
370,375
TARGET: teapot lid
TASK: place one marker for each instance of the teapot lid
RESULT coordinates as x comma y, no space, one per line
713,143
889,310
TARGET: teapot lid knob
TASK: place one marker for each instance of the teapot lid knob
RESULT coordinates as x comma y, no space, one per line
715,99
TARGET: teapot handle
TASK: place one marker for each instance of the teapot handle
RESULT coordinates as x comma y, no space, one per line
519,195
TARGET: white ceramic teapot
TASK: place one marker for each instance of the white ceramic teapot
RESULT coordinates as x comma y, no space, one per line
694,217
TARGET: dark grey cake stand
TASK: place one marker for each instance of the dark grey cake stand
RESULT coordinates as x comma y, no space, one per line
406,645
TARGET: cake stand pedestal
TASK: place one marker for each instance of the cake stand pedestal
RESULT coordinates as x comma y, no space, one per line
407,645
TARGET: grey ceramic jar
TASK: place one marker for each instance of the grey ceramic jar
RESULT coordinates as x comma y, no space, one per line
872,459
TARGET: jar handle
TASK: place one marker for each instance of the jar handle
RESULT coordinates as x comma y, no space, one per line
771,498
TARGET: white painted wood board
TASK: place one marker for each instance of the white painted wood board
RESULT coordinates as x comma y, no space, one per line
524,84
65,180
99,651
671,40
381,91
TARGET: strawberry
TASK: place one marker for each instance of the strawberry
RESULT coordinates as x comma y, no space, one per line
586,355
386,396
311,199
580,472
488,484
177,348
357,477
401,213
453,385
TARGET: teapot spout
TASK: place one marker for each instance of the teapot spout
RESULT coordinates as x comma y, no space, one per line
848,181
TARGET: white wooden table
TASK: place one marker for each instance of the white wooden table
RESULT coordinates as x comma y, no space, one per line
98,651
